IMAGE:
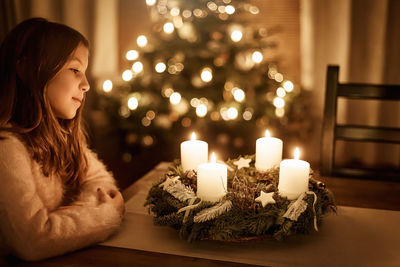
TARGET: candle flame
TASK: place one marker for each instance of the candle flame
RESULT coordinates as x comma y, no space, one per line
267,134
296,153
193,136
213,158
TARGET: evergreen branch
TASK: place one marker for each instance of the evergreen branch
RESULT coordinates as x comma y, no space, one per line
180,191
213,212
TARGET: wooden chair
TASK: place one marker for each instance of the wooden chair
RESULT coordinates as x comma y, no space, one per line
332,131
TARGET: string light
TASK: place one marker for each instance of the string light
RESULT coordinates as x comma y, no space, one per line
186,122
212,6
146,122
232,113
194,102
175,98
150,115
137,67
288,85
178,22
231,110
162,9
150,2
132,55
186,13
107,86
204,101
206,74
254,10
141,41
201,110
124,111
167,92
229,9
127,75
198,13
272,72
224,113
147,140
247,115
160,67
174,11
236,35
223,16
257,57
279,102
280,92
278,77
280,112
238,94
133,103
168,28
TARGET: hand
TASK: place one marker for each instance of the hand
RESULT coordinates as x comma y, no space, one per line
114,197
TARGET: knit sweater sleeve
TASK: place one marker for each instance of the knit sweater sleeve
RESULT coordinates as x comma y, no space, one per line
28,228
97,177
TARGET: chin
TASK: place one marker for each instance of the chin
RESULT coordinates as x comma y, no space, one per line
66,116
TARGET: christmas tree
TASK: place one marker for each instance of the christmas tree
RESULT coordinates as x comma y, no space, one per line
206,69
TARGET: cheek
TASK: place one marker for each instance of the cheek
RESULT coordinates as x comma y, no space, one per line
54,92
58,97
58,89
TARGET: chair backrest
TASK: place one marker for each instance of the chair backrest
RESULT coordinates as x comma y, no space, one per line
332,131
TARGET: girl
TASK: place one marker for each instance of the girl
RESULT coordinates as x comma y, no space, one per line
55,195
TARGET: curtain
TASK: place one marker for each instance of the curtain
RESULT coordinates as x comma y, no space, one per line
8,17
95,19
363,38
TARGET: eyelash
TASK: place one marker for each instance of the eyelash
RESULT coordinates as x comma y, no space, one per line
74,70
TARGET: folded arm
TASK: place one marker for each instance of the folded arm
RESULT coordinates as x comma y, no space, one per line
34,232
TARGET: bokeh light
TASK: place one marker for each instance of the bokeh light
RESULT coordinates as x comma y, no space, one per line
107,86
132,55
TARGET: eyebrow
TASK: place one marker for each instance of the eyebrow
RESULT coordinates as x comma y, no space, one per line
76,59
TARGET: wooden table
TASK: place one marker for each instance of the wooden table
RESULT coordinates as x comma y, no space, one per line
354,237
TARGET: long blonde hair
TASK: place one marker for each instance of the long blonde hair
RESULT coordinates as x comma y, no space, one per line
30,56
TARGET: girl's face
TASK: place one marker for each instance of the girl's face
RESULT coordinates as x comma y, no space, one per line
66,90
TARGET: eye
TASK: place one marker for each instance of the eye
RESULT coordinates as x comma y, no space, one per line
74,70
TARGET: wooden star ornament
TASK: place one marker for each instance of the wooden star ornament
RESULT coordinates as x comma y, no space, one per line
169,181
242,163
265,198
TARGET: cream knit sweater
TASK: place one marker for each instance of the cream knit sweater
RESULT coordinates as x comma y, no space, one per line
33,224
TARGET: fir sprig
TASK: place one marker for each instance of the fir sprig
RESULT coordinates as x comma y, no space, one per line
238,217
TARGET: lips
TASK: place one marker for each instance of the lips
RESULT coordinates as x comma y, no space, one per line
77,99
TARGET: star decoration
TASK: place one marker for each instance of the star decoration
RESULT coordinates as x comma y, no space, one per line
242,163
265,198
169,181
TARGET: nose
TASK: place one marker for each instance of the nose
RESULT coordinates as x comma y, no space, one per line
85,86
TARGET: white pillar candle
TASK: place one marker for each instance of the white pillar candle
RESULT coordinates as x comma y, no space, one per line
193,153
293,176
212,180
268,152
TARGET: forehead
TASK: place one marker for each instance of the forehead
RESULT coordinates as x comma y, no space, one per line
80,54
